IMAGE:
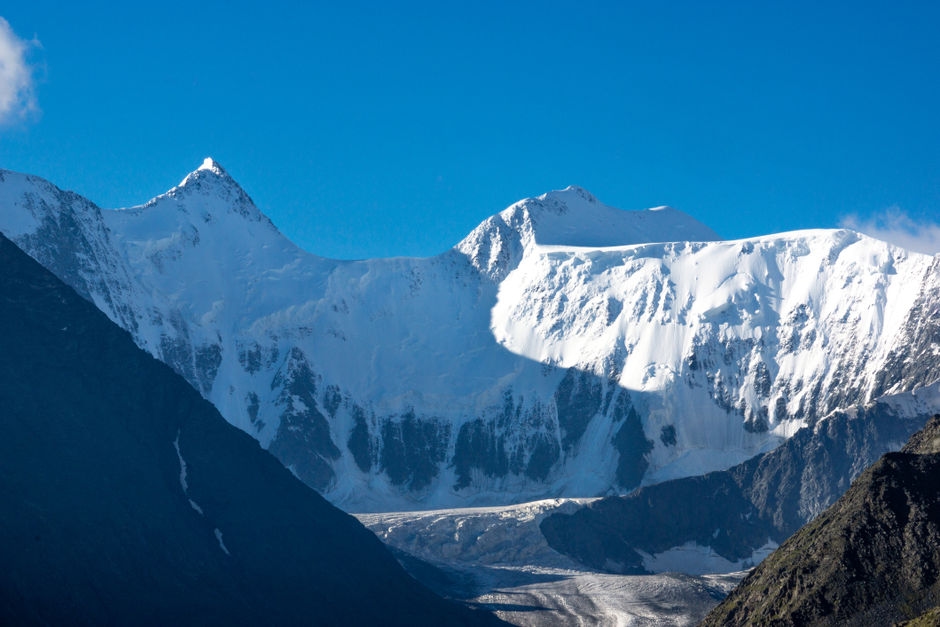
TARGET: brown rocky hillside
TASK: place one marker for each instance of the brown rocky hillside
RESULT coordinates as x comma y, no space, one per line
873,558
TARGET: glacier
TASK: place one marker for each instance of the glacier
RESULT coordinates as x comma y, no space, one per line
564,348
495,557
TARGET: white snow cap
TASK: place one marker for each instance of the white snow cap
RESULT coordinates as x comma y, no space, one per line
575,217
212,165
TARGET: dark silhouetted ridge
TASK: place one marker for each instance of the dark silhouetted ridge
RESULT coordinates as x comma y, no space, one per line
127,499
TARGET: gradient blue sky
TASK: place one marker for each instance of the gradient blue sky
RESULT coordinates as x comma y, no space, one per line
393,128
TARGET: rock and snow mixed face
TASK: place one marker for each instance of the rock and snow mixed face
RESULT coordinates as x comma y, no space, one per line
563,348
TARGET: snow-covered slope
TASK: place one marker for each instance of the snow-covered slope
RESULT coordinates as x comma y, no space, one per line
563,348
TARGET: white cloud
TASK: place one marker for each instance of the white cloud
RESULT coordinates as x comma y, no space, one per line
898,228
17,93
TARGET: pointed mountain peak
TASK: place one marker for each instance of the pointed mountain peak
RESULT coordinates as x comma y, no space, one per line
211,180
210,192
210,169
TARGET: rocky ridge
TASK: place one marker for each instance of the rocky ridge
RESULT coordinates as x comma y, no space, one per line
729,520
873,558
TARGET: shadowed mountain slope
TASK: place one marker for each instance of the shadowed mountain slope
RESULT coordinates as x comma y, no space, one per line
127,499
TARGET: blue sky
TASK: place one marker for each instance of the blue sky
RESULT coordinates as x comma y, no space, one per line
380,129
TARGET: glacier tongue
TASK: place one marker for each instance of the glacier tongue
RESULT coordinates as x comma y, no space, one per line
563,348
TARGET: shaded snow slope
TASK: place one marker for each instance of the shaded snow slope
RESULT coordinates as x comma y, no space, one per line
563,348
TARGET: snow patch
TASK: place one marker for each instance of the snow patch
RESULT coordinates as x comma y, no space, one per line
922,401
179,456
183,483
218,536
693,559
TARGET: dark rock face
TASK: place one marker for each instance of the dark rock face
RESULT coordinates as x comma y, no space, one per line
533,441
578,398
127,499
360,444
412,450
873,558
633,447
667,435
735,512
303,441
544,453
479,446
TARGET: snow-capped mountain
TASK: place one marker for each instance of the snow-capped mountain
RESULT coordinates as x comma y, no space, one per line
563,348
